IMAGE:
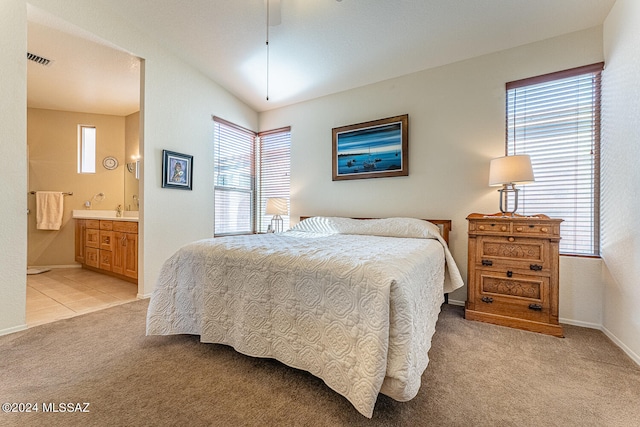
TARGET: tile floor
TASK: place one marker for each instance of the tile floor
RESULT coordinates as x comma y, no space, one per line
66,292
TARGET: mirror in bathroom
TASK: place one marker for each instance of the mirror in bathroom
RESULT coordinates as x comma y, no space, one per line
132,163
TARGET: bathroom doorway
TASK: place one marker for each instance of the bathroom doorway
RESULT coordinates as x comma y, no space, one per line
75,78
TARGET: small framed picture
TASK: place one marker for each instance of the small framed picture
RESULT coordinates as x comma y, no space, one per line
177,170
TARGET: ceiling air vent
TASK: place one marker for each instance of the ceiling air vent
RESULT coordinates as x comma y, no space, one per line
39,59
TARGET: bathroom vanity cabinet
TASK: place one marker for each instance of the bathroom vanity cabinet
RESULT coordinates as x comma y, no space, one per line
108,246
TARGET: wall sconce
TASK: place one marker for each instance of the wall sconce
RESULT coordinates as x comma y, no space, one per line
134,167
508,171
276,206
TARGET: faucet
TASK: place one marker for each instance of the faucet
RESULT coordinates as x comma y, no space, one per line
119,211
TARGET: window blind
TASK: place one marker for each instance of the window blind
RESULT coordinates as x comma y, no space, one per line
555,119
234,178
274,165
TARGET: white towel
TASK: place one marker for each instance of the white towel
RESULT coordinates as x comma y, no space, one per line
49,210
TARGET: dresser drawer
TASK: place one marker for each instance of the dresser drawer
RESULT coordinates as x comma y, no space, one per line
525,297
513,253
535,230
93,224
106,225
125,226
490,227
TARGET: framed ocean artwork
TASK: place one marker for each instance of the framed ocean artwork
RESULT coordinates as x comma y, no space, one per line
375,149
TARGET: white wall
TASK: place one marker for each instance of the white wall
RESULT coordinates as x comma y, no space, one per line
52,134
178,103
456,125
621,176
13,173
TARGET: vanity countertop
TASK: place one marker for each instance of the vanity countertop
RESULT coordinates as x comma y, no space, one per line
104,214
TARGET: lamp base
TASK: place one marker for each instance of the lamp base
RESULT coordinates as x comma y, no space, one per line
504,202
276,224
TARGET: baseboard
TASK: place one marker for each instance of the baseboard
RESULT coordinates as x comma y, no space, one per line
580,323
143,296
456,302
55,266
12,330
635,357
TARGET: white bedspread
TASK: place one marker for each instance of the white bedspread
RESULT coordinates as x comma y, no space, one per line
357,311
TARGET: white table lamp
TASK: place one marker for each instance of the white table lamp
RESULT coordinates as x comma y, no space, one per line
508,171
276,206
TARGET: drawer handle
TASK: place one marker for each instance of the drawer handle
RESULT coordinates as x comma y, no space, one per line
511,239
519,228
481,227
488,300
487,262
544,229
509,273
535,267
535,307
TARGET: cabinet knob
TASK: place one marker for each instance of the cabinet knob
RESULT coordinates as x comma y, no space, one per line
511,239
503,228
535,307
509,273
481,227
544,229
488,300
519,229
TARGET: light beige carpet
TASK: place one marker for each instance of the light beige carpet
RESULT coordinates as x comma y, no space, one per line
479,375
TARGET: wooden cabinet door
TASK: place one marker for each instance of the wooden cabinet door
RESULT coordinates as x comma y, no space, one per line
92,238
106,240
105,260
91,257
125,254
79,242
117,261
131,255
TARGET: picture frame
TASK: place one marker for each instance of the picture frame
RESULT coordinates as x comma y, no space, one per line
374,149
177,170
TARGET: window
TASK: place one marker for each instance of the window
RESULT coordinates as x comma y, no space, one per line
555,119
86,149
274,165
234,154
248,168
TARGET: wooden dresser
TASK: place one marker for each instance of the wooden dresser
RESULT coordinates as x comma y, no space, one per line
108,246
513,271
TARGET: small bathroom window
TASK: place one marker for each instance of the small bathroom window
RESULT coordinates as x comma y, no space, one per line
86,149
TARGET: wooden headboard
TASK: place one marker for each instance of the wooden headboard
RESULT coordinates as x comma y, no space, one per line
443,224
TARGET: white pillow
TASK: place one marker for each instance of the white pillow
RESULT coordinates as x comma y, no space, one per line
388,227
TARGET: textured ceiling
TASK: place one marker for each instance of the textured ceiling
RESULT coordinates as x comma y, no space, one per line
326,46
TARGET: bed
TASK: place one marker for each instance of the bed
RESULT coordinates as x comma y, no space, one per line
354,302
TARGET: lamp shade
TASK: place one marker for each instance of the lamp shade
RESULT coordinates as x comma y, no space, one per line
276,206
510,170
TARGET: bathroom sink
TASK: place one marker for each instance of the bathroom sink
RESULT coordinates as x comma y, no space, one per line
104,214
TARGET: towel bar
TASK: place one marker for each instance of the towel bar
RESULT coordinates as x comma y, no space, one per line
65,193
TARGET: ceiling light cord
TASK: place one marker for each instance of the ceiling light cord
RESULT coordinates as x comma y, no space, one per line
267,43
